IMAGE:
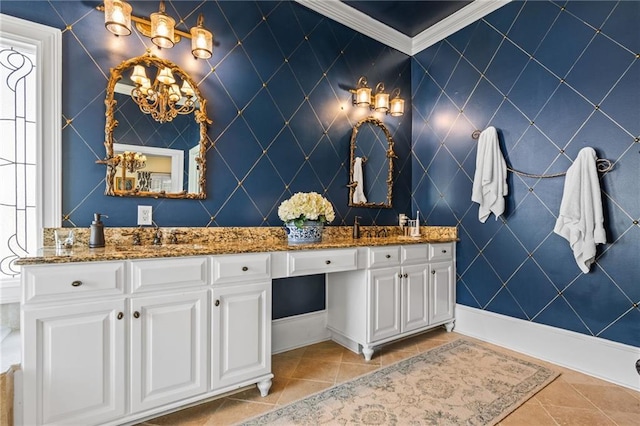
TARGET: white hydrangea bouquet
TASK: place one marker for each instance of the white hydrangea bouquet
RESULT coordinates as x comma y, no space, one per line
305,206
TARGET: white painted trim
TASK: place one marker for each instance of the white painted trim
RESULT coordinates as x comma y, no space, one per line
601,358
48,41
297,331
364,24
477,9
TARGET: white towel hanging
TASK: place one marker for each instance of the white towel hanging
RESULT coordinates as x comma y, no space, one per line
490,178
581,221
358,176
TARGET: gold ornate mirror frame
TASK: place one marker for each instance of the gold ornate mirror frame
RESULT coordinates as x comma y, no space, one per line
113,161
390,155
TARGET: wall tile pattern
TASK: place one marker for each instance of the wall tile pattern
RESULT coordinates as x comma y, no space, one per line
552,77
277,90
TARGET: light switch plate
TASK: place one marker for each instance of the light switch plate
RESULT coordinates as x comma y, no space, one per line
144,215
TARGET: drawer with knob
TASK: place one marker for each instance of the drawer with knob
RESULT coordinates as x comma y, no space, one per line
441,251
44,283
160,274
241,267
384,256
321,261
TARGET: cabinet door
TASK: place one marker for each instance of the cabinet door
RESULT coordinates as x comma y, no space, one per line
168,348
441,292
241,333
415,291
73,363
384,303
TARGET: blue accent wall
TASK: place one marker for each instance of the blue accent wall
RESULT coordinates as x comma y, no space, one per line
277,92
552,77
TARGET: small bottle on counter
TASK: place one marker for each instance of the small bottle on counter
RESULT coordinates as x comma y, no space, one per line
356,228
96,237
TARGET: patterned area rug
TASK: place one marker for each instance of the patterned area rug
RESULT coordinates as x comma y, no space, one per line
459,383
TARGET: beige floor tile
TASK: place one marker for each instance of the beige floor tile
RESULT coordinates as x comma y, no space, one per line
567,416
315,369
560,393
623,419
328,353
611,398
195,416
284,367
531,413
234,411
294,353
351,371
297,389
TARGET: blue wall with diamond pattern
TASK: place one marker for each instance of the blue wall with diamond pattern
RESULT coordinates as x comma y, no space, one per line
277,91
552,80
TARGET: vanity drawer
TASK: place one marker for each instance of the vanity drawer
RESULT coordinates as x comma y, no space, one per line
384,256
441,251
321,261
54,282
158,274
241,267
415,253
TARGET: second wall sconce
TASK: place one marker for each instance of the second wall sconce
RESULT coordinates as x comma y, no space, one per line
361,96
160,28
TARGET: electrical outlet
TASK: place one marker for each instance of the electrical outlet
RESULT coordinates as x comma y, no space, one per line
144,215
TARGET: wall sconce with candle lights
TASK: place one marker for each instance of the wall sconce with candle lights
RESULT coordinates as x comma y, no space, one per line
381,102
160,27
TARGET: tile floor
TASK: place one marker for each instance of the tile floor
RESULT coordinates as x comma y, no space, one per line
572,399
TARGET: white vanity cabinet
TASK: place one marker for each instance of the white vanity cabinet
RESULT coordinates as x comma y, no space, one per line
400,292
112,342
73,356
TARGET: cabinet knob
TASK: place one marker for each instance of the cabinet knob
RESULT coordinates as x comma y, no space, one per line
444,251
136,314
245,269
76,283
388,256
217,303
433,272
120,315
399,275
405,275
327,262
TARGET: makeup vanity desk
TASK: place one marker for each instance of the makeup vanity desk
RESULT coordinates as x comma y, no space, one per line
120,334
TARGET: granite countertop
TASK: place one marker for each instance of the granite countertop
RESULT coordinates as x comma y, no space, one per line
228,243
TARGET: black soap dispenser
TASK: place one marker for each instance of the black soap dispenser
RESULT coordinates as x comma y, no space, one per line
96,237
356,228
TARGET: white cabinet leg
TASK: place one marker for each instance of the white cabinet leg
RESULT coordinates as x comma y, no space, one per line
264,387
449,326
367,352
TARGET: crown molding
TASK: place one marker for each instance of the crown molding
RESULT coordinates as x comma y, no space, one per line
364,24
476,10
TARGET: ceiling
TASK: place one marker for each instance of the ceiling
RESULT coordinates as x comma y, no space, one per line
409,17
408,26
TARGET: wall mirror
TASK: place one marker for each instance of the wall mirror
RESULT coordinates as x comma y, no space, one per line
371,171
155,131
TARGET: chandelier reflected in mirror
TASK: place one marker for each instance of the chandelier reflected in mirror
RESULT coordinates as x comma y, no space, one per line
132,161
165,99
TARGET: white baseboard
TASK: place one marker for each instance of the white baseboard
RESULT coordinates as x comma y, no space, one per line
601,358
297,331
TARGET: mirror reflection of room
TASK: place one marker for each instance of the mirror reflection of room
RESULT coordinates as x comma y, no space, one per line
371,174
